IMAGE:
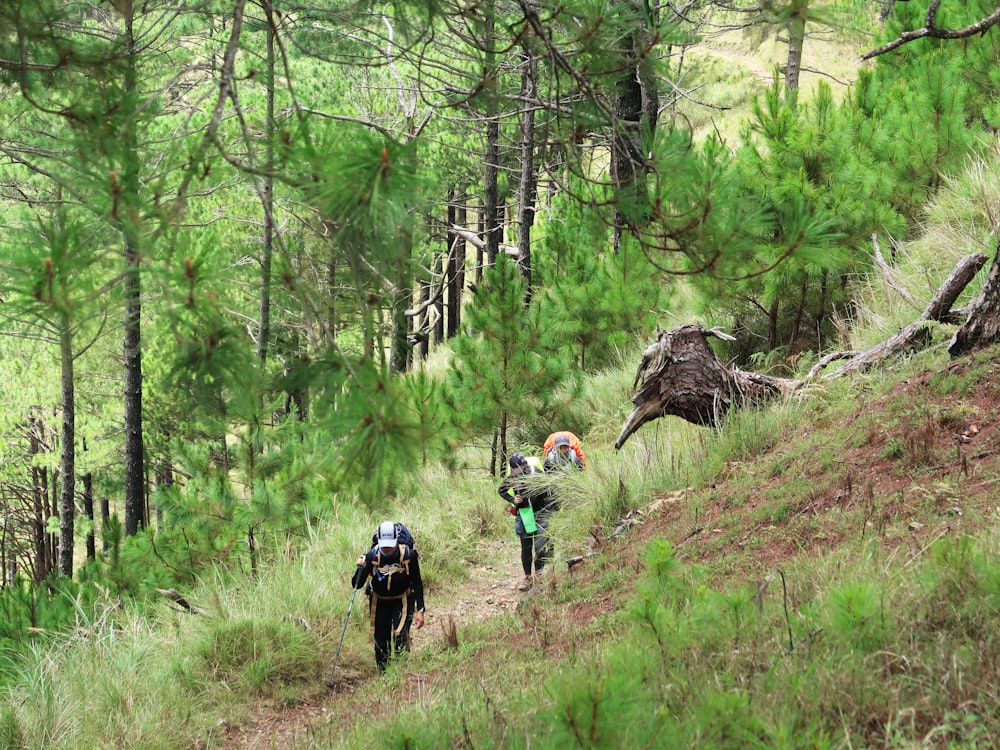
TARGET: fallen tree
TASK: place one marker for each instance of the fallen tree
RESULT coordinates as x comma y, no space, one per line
680,375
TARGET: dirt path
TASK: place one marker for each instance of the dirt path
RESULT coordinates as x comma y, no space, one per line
491,590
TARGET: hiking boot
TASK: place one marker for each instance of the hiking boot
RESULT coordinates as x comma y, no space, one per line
525,584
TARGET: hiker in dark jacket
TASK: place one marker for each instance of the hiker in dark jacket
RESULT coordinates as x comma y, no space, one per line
532,504
397,592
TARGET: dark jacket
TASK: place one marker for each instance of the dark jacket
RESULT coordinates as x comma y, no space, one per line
529,489
392,575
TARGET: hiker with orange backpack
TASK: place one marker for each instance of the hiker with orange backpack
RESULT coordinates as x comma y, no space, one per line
532,506
563,449
397,591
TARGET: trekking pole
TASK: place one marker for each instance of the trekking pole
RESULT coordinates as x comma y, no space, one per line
329,679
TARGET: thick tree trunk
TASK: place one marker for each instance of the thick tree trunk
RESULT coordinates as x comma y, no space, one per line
132,344
636,108
681,376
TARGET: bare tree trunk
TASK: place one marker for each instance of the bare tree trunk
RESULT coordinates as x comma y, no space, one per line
796,28
527,187
480,250
67,462
41,565
491,188
456,270
267,190
132,344
88,511
636,107
681,376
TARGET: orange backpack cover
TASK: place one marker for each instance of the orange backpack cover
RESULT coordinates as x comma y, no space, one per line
574,443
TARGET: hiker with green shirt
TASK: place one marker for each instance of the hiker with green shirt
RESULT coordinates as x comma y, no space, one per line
532,506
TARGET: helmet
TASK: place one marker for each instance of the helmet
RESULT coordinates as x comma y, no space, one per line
387,536
517,461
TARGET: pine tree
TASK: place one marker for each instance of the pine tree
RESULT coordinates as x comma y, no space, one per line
506,374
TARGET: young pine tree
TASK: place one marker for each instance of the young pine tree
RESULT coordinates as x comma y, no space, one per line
506,374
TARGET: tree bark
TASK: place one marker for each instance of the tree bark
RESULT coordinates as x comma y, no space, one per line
67,460
527,186
132,343
982,328
681,376
456,270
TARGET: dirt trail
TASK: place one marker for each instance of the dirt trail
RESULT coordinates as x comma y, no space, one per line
490,590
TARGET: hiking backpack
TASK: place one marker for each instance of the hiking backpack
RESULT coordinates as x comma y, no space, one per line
574,444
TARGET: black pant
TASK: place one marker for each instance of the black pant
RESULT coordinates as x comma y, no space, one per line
387,642
535,545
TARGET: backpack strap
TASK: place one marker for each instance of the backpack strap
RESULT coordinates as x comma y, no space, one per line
402,618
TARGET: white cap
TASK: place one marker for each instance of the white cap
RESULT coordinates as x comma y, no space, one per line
387,535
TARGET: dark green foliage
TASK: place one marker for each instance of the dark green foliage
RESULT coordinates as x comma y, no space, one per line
823,199
604,300
505,376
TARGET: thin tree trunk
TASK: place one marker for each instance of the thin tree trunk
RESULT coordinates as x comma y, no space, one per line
440,269
88,511
267,251
456,287
454,292
67,463
528,183
37,493
491,188
796,28
132,344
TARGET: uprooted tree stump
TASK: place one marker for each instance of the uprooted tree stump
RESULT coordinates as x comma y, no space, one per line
681,376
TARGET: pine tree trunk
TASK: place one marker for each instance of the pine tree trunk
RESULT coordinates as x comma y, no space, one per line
88,511
491,188
453,294
41,563
796,28
527,187
267,251
132,344
456,265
